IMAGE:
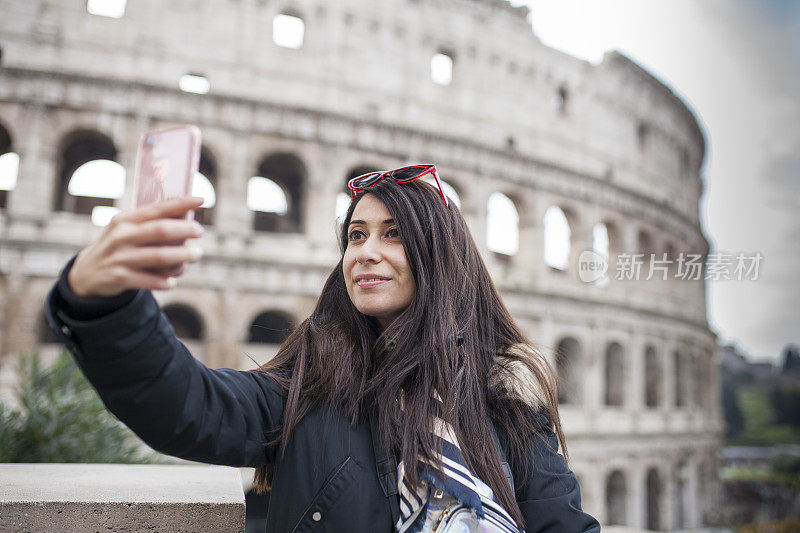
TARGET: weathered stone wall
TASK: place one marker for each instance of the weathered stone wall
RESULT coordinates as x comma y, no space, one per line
55,498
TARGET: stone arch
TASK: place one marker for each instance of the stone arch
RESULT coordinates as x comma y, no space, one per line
642,134
644,245
615,246
75,150
644,241
502,225
265,197
288,29
699,380
600,239
288,172
559,224
442,66
677,378
185,321
561,99
614,375
601,246
616,498
653,377
517,196
655,491
6,143
614,237
680,378
671,256
9,165
681,475
703,482
569,366
270,327
573,219
658,257
208,169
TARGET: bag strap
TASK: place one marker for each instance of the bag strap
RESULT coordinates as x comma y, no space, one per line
386,467
503,461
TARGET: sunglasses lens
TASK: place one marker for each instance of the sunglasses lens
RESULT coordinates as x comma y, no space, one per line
366,180
407,173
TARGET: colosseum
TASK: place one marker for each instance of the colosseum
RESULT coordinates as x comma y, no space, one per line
541,151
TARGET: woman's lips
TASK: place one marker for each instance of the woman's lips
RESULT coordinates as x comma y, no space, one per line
369,283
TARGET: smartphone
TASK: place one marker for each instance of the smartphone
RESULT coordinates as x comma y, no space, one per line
166,163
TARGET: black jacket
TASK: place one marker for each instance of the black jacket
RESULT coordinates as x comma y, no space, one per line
327,479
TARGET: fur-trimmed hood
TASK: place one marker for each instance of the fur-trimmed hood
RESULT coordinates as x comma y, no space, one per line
515,379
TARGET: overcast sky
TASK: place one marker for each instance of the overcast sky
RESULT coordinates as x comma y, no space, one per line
737,64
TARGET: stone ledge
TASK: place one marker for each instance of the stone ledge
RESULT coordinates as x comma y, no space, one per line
120,498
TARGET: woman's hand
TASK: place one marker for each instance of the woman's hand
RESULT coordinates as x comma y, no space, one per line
144,248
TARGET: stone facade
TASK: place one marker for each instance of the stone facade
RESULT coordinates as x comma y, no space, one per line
607,144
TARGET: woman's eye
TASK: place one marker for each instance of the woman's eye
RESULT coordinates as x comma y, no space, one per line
355,235
393,233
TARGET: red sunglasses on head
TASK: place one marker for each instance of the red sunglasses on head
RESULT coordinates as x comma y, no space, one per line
398,175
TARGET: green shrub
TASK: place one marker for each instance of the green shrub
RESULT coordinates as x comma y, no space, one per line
61,419
785,400
785,463
734,419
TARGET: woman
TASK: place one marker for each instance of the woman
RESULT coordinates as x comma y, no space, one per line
409,344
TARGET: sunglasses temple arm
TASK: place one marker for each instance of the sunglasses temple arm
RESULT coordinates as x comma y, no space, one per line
441,189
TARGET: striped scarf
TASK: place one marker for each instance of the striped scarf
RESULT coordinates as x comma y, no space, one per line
458,482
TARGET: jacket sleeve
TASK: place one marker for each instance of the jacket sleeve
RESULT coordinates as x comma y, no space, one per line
550,500
149,380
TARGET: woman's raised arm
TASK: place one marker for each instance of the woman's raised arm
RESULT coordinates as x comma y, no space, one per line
128,350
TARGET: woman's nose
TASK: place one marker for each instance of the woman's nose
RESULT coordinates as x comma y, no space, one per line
369,251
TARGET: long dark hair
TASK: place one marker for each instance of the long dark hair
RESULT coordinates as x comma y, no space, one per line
446,342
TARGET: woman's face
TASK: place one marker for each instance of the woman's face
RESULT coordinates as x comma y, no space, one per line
376,272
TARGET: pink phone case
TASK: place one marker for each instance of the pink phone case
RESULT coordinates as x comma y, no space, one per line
166,164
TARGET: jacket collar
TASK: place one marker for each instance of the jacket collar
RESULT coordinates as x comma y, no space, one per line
514,379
